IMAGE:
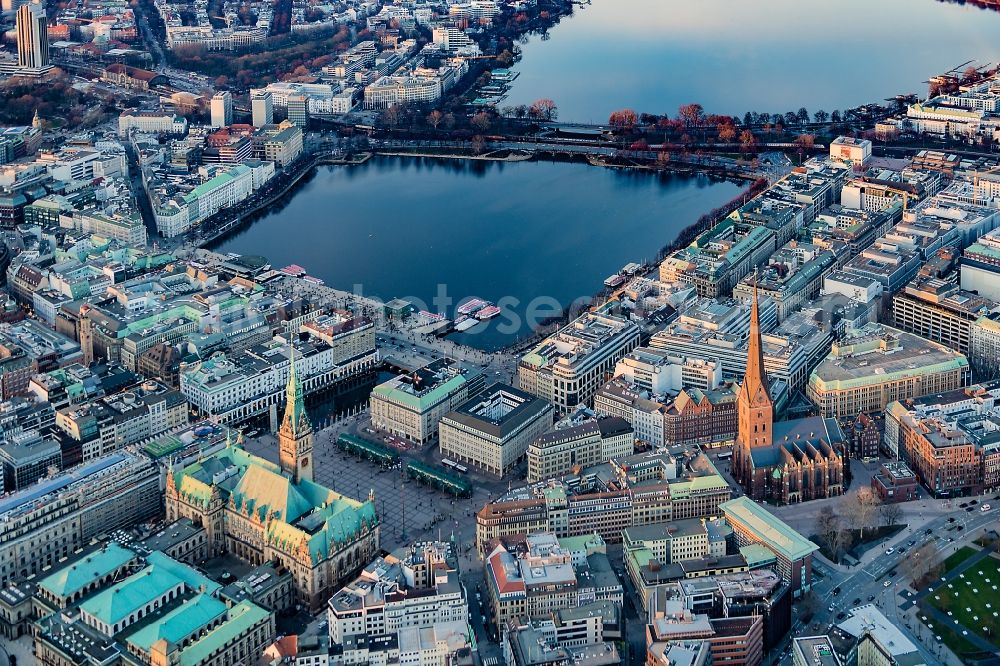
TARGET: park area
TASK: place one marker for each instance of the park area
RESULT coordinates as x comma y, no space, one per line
966,601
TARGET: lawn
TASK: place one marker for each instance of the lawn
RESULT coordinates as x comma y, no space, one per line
972,598
958,557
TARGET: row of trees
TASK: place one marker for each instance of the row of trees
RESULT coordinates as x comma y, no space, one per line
693,116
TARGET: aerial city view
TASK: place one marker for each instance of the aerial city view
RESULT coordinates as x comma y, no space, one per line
500,333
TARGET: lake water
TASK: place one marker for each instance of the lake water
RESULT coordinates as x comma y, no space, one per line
734,56
525,235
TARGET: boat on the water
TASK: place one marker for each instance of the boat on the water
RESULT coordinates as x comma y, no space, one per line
488,312
471,306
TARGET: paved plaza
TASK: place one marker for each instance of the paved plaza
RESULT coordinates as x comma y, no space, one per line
405,507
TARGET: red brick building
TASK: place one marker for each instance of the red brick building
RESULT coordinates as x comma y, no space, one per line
700,417
895,482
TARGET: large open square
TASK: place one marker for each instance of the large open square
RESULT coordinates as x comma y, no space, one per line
408,510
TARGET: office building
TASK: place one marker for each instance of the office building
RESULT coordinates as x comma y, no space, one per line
660,372
281,143
493,429
638,407
752,524
984,346
27,457
814,651
52,518
794,275
676,541
222,109
738,641
938,310
297,108
571,637
536,576
634,490
855,153
32,36
568,368
949,439
895,482
718,259
155,611
416,587
411,405
262,108
235,387
585,445
876,365
868,637
981,266
122,419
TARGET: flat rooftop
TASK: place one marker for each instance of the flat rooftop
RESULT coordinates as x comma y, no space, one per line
880,353
816,650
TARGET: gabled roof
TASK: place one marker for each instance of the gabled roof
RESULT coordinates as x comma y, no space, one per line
242,617
180,623
70,579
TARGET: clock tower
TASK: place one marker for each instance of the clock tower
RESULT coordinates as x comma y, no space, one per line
295,437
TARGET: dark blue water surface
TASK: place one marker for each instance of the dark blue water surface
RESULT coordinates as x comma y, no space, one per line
506,232
734,56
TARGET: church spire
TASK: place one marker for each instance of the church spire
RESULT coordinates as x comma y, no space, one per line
755,410
755,377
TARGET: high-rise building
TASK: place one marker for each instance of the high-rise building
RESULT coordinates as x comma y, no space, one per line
32,36
262,108
298,110
222,109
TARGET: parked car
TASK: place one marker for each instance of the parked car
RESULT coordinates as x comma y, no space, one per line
890,551
985,507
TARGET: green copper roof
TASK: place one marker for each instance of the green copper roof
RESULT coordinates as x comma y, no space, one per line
268,493
115,603
771,531
756,555
179,624
73,578
242,617
390,391
292,511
